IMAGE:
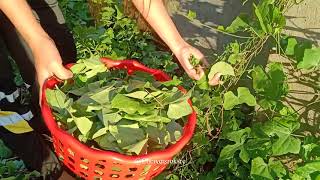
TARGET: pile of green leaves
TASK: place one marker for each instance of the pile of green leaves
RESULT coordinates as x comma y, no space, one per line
110,110
244,130
11,168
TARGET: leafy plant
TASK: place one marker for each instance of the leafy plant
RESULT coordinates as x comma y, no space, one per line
106,109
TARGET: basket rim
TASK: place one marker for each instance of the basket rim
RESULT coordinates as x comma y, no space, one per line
77,146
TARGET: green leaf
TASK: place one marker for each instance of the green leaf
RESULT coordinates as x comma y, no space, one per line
125,104
77,68
286,144
306,170
125,129
174,82
221,67
100,132
230,100
137,94
260,170
56,98
291,45
111,118
148,118
203,83
239,137
283,128
137,147
239,24
191,15
311,59
83,123
175,131
245,96
5,152
277,169
179,110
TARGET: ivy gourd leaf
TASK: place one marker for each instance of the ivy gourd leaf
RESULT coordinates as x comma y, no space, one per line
277,169
100,132
111,118
175,131
221,67
245,96
311,59
125,104
148,118
291,45
203,83
125,129
84,124
178,110
286,142
259,169
305,171
137,94
174,82
191,15
230,100
5,152
239,137
238,24
137,147
57,99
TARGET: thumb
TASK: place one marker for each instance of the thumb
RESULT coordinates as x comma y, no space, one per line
61,72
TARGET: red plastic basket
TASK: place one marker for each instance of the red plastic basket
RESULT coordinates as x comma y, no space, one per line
91,163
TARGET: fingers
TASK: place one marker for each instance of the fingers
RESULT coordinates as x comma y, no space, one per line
61,72
215,80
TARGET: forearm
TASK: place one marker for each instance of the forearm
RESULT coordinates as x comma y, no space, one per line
21,16
157,16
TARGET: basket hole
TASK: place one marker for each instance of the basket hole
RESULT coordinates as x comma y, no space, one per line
71,152
114,175
144,173
84,167
103,161
98,172
60,148
116,163
97,178
156,168
117,169
145,170
60,143
70,159
129,175
61,158
85,160
133,169
84,174
100,166
71,166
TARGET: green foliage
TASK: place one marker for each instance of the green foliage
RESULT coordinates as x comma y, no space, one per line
108,110
232,141
12,167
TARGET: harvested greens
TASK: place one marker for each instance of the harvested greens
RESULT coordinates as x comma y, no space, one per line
111,110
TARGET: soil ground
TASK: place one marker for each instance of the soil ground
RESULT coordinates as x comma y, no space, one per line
303,22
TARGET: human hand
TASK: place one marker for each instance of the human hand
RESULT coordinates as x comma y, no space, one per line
183,55
48,62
